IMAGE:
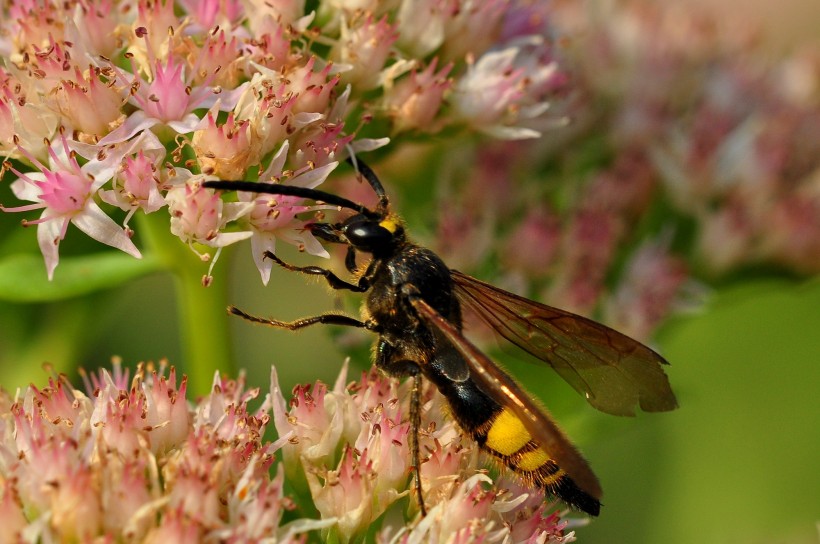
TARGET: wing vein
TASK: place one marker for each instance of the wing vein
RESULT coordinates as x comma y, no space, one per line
614,372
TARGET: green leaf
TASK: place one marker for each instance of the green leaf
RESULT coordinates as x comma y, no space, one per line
23,276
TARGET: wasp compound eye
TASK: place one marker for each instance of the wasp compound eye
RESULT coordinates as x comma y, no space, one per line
368,236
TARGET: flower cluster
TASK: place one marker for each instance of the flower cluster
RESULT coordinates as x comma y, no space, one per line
731,138
350,447
133,460
689,154
567,248
134,104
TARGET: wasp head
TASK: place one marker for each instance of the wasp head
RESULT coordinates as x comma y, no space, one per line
376,235
375,231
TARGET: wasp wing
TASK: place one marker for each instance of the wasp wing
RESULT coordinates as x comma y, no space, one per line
503,390
614,372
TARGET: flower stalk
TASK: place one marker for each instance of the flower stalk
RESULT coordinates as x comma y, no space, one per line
202,316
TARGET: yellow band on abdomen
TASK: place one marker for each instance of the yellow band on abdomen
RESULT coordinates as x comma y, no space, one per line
507,434
532,460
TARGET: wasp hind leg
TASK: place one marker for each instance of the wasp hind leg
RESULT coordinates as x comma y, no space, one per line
393,364
415,450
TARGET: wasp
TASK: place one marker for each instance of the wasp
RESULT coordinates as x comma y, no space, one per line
414,303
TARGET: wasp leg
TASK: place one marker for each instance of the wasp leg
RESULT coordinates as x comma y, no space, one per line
415,423
332,279
350,259
323,319
389,361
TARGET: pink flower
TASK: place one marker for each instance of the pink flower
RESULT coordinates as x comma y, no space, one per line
50,465
445,458
414,102
209,13
282,12
272,217
177,527
472,28
271,48
793,234
504,87
225,151
91,107
35,23
65,191
221,59
321,144
209,479
532,247
76,511
587,251
135,184
166,412
48,64
456,29
168,99
90,28
651,289
198,215
24,121
312,432
271,115
346,494
12,519
153,30
364,48
312,89
356,489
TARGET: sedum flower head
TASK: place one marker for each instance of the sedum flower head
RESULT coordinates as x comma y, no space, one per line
220,86
350,446
134,460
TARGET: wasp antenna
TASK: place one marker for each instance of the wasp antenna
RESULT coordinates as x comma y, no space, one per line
290,190
362,168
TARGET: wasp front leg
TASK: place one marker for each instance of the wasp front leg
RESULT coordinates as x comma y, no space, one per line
332,279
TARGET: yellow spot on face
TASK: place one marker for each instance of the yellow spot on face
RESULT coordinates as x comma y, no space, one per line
507,434
389,224
532,460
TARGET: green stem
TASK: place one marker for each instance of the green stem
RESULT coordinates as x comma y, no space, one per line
201,310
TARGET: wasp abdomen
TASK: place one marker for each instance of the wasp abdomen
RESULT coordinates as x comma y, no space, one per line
500,433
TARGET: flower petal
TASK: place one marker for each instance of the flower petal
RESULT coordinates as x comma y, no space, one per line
135,122
102,228
28,191
48,237
316,176
261,242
